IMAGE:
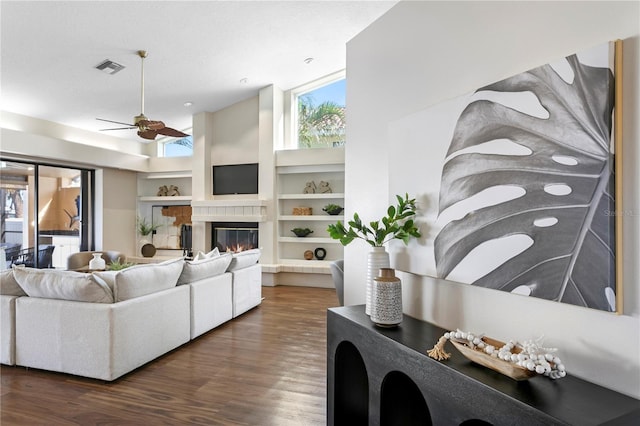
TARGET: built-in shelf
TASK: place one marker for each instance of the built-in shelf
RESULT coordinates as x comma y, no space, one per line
326,196
318,218
308,240
295,170
165,199
168,175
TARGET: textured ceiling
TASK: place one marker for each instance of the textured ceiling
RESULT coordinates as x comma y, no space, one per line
198,51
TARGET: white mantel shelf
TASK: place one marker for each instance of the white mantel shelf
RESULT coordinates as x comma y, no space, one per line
229,210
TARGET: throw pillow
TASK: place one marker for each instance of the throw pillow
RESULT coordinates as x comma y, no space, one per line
64,285
243,259
201,256
196,270
8,284
140,280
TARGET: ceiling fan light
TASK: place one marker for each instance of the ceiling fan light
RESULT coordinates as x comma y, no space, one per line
109,67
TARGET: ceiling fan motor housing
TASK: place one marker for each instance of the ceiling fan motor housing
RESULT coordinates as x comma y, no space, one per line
139,118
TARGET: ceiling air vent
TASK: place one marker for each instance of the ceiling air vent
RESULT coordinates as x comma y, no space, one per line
109,67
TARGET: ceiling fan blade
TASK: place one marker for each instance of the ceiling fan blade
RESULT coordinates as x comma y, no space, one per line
119,128
117,122
151,125
147,134
168,131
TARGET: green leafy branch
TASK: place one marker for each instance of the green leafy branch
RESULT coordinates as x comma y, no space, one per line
397,224
145,228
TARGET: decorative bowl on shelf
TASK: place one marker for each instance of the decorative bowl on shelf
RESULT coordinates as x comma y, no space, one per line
333,209
301,232
509,369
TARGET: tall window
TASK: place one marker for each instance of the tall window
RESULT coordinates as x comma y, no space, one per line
182,147
320,113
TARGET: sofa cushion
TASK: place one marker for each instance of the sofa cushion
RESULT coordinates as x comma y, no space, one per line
65,285
197,270
243,259
201,256
140,280
8,284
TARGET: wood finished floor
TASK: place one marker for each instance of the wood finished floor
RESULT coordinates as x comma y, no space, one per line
267,367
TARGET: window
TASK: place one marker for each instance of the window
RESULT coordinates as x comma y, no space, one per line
182,147
47,213
319,113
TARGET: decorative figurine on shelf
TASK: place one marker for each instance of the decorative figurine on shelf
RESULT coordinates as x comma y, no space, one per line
324,187
162,191
310,188
173,191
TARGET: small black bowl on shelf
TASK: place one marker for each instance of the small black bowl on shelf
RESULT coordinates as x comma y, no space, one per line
333,209
301,232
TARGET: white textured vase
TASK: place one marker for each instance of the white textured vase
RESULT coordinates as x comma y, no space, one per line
97,262
386,299
376,259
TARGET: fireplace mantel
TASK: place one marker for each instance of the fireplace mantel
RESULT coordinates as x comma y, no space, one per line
229,210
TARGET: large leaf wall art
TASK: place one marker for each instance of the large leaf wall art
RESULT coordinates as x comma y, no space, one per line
555,171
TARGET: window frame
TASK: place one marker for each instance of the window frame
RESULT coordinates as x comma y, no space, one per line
161,145
291,106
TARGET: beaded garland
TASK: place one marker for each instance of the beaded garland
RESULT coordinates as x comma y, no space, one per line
532,356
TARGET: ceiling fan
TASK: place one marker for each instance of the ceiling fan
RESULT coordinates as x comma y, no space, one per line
147,129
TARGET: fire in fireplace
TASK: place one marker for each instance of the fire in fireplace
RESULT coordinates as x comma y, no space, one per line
234,236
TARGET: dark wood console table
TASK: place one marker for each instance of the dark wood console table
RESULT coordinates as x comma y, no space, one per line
382,376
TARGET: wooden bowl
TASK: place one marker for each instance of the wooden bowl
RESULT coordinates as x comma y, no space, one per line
478,356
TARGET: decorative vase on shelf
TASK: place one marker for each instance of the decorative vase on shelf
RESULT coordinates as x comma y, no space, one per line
386,299
97,262
376,259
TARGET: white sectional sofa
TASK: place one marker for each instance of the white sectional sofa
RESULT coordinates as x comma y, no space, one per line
105,324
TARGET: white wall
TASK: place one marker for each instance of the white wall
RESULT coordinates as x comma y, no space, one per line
119,200
235,133
422,53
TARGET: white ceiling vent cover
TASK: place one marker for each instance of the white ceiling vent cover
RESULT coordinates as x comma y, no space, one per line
109,67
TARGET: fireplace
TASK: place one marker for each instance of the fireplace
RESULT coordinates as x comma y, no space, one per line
234,236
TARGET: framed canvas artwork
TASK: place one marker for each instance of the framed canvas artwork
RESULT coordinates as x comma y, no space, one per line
517,183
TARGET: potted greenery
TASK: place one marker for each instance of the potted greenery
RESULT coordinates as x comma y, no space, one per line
145,228
147,249
333,209
116,265
397,224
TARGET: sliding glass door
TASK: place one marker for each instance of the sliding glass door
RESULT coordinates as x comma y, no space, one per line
47,213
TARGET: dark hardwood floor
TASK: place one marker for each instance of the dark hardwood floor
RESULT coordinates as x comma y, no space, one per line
266,367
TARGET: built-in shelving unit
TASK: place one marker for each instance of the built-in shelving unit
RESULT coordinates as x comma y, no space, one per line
149,200
294,170
149,183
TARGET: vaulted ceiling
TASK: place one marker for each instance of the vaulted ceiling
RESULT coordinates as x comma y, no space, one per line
210,53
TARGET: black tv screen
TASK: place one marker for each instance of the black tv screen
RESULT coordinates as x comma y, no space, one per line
235,179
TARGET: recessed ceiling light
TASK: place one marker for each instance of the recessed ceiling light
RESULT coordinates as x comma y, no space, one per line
188,104
109,67
244,80
308,60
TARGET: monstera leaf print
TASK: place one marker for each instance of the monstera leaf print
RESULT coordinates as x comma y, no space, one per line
572,260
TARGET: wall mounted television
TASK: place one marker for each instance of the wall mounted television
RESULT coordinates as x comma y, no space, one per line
235,179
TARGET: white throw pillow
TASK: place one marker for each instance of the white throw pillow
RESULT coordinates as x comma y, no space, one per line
8,284
140,280
243,259
196,270
201,256
65,285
